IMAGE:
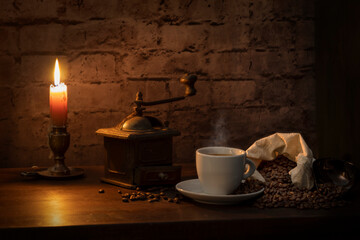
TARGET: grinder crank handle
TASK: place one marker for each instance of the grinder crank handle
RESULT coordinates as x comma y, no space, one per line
189,81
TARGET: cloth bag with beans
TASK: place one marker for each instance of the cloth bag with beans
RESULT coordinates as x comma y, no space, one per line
290,145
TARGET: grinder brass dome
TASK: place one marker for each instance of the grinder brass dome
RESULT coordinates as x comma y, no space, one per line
137,123
141,124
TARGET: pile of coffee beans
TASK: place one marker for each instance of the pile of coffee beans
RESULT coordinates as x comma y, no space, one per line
152,194
250,186
280,192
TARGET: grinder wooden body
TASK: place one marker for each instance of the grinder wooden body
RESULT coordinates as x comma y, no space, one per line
139,158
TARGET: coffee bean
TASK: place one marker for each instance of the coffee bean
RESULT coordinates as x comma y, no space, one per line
142,197
101,190
157,194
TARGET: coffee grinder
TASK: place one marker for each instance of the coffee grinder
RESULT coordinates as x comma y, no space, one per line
139,148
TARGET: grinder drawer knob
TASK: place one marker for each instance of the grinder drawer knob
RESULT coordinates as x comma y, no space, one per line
163,176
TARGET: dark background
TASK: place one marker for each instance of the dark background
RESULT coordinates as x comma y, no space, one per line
264,66
337,78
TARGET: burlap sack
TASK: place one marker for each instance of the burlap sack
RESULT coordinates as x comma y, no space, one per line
290,145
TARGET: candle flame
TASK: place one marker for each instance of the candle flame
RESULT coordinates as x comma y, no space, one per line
57,73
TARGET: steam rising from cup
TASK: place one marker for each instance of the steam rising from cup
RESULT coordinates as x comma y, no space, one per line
220,133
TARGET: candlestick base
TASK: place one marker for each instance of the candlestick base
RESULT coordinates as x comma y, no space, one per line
73,172
59,141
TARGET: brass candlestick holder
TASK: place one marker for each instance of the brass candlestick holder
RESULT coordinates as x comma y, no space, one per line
59,141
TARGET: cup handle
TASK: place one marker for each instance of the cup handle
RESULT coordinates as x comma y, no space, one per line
251,170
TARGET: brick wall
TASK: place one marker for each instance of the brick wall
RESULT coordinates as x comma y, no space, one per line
254,60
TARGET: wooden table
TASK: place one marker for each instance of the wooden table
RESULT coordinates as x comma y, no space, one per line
54,209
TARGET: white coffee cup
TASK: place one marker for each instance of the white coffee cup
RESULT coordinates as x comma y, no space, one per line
221,169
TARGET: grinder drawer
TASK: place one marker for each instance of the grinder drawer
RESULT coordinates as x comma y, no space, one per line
158,175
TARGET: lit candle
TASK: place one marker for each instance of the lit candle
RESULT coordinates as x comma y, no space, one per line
58,99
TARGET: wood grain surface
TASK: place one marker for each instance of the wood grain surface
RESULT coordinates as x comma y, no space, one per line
57,209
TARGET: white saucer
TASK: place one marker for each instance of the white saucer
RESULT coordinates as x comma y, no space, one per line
192,189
